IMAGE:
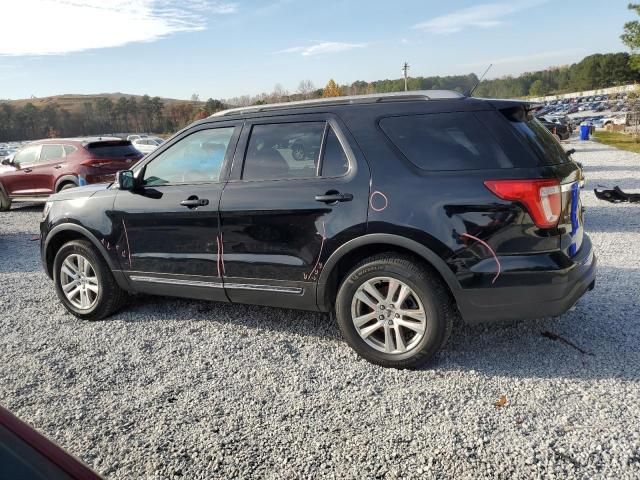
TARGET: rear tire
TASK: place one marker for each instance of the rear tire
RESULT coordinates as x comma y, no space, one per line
5,202
84,283
403,313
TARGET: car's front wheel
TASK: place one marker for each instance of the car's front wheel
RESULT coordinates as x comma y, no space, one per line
84,283
394,312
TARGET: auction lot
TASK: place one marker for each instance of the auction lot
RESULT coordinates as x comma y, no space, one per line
170,388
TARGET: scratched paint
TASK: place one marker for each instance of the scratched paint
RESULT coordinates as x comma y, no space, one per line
315,271
495,257
380,200
126,237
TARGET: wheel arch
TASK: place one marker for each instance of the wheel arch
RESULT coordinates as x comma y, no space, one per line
355,250
65,179
67,232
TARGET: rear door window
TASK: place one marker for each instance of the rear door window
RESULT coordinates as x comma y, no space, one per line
51,152
445,141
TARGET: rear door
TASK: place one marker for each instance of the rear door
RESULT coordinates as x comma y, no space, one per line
169,227
50,165
298,189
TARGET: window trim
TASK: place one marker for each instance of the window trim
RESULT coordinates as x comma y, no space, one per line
329,121
140,169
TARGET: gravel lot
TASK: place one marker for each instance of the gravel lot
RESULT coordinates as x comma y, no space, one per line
186,389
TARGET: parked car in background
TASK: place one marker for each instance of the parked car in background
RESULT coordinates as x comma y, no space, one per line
391,240
560,131
147,144
137,136
48,166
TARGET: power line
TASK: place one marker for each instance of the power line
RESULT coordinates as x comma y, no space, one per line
405,69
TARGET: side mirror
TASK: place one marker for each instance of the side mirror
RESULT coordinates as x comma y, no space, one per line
6,161
125,180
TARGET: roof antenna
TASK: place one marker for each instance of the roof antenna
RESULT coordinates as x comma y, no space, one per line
470,92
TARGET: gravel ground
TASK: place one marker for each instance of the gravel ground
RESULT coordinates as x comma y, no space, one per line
185,389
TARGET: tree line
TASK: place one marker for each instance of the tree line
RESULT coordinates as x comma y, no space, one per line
152,114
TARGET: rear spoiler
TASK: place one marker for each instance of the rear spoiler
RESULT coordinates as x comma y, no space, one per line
519,110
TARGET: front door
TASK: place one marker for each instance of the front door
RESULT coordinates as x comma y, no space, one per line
298,189
23,180
170,225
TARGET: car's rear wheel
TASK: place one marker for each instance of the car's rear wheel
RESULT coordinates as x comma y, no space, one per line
84,283
393,312
5,202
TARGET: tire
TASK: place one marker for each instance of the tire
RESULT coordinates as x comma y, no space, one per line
5,202
109,296
66,186
427,292
297,152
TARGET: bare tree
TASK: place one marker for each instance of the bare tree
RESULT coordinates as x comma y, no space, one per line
306,88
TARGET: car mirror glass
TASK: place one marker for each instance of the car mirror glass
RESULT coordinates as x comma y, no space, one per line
125,180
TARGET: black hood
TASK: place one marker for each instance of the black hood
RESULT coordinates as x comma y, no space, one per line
79,192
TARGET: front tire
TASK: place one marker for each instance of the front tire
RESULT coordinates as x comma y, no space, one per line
84,283
393,312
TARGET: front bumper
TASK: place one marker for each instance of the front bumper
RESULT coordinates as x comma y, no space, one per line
535,293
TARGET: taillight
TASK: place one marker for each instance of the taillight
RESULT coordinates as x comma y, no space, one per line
541,198
94,162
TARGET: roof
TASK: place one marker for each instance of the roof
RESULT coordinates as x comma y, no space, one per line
82,140
347,100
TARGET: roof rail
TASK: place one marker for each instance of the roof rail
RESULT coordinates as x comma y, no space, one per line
348,100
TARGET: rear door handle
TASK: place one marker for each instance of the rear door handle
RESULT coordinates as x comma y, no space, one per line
26,170
58,166
334,197
194,202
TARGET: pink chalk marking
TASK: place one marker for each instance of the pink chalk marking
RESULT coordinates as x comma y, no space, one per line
313,271
495,257
222,254
126,237
386,201
218,255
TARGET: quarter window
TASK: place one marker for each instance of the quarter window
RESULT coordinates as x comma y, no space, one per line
445,141
293,150
69,149
196,158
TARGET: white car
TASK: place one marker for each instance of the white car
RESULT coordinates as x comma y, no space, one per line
131,138
148,144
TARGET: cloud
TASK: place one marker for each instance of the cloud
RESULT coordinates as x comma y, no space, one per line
549,55
323,48
66,26
487,15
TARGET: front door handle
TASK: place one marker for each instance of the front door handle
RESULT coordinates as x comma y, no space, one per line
26,170
331,197
194,202
58,166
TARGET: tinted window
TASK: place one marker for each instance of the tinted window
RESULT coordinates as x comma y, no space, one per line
196,158
51,152
334,160
283,150
540,139
69,149
445,141
113,149
27,155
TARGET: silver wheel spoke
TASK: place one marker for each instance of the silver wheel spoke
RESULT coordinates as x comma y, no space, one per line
79,281
366,300
415,326
388,315
400,346
362,319
373,291
365,332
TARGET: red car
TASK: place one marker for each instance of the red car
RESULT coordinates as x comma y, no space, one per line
47,166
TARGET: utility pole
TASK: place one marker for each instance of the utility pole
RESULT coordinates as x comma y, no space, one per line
405,69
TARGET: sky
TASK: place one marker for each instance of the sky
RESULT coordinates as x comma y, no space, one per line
227,48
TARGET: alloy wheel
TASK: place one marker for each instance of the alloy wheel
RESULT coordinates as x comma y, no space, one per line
79,282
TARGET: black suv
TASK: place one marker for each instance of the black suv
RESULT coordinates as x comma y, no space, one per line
414,207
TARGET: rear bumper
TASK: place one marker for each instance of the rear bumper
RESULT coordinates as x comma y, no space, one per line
532,293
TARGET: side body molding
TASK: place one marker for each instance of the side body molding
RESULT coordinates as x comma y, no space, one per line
388,239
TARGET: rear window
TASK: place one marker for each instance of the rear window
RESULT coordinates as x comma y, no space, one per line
113,149
445,141
535,135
